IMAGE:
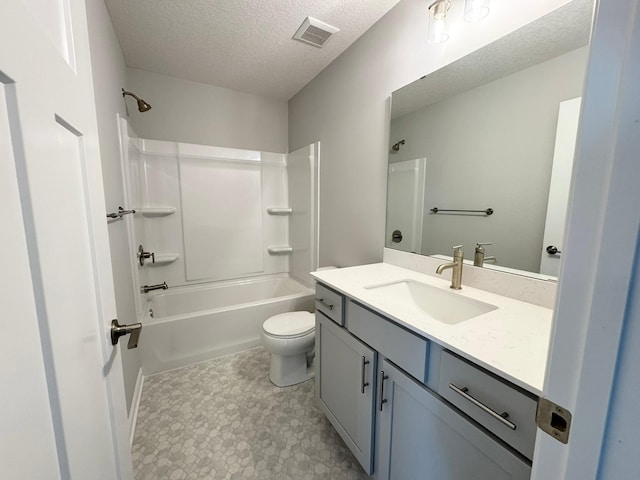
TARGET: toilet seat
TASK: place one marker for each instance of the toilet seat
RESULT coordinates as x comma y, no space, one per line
289,325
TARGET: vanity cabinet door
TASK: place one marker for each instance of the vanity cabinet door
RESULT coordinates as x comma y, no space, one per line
421,437
345,386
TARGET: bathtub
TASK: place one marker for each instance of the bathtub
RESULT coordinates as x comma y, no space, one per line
186,325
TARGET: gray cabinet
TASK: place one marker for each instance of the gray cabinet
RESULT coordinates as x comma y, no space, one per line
421,437
390,395
345,386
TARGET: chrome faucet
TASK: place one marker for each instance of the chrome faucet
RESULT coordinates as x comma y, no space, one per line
479,259
149,288
456,266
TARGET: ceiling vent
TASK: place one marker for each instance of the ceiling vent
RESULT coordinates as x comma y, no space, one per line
314,32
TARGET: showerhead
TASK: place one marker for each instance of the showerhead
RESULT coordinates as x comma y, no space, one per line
142,105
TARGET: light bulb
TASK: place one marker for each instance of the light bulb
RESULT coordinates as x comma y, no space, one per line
476,10
438,28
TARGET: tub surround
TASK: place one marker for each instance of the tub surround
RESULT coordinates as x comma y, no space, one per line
511,341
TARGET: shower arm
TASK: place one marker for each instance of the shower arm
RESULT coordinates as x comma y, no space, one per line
124,92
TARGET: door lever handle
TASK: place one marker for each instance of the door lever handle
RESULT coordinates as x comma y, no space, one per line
118,331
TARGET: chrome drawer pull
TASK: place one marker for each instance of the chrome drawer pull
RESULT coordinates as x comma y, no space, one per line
362,382
383,377
324,304
501,417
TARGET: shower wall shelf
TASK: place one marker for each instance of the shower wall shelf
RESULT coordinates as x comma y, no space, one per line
279,211
280,250
157,211
163,259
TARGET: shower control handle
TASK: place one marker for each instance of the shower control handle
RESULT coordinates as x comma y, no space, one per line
118,331
142,256
553,250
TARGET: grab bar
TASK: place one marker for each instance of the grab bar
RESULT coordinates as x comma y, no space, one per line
121,211
488,211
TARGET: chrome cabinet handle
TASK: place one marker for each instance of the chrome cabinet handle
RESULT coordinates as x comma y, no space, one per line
324,304
501,417
362,373
383,400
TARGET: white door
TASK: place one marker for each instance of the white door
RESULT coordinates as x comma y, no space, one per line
565,147
63,412
597,281
405,186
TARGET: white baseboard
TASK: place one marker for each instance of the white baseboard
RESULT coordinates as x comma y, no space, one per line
135,405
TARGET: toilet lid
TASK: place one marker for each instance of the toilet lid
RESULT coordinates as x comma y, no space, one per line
290,324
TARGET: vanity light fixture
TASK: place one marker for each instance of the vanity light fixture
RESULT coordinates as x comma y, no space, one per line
438,28
474,11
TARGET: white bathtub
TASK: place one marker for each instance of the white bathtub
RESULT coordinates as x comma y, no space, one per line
196,323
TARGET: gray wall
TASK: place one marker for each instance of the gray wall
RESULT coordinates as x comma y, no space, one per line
109,76
192,112
492,146
346,108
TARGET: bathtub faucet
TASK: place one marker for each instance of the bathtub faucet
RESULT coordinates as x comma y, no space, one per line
149,288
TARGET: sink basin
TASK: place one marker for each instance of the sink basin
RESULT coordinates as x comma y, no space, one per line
438,304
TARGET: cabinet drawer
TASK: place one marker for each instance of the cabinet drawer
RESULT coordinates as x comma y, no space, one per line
408,351
484,398
330,302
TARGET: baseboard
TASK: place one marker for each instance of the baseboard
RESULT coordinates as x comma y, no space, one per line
135,405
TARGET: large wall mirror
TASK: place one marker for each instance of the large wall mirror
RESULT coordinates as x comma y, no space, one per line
481,150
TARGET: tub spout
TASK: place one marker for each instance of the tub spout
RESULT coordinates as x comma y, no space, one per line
149,288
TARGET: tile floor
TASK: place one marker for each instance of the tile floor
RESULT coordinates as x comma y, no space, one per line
224,419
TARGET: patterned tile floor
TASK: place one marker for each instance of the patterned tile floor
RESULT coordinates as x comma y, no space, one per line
224,419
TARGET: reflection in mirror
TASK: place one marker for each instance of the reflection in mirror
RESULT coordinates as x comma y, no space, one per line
494,130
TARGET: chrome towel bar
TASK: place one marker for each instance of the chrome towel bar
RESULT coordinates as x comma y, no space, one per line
488,211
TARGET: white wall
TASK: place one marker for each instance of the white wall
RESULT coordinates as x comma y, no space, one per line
109,76
492,146
192,112
346,108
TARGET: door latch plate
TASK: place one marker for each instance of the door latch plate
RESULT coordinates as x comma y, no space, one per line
553,419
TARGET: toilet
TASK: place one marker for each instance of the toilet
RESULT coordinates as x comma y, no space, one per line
290,338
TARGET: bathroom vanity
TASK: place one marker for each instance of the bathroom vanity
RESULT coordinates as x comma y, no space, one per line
418,378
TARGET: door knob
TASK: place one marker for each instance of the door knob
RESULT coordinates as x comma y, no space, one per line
396,236
118,331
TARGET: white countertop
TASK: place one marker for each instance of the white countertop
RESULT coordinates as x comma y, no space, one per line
511,341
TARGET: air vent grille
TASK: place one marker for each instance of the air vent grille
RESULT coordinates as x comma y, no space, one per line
314,32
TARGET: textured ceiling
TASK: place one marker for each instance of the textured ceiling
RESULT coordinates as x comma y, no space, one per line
245,45
558,32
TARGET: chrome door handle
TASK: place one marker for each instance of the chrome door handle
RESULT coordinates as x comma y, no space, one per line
501,417
362,374
324,304
118,331
383,400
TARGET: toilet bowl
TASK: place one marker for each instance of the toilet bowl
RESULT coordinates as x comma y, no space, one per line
290,338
